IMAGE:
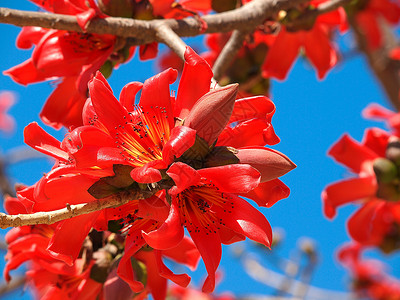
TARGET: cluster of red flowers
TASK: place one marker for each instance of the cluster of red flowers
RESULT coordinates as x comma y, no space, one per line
170,157
73,58
166,158
274,47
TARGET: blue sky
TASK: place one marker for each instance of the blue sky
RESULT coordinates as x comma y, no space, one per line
311,115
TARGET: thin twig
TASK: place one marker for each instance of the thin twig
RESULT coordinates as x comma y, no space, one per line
68,212
5,184
385,69
274,279
228,53
14,284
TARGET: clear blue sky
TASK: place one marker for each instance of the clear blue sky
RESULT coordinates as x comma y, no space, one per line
310,116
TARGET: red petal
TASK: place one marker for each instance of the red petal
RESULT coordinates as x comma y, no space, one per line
244,219
180,279
64,106
209,246
281,55
156,92
181,139
41,141
377,140
26,73
133,243
185,253
183,176
241,179
148,51
346,191
252,107
359,224
268,193
146,174
196,69
319,50
66,246
171,232
255,132
351,153
128,94
84,17
154,208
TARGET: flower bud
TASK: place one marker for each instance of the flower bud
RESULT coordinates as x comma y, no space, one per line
211,113
385,170
270,163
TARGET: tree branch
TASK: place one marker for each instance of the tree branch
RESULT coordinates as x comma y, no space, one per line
68,212
167,36
228,53
385,69
245,17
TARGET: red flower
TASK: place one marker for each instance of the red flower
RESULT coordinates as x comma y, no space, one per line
163,143
7,123
369,277
375,188
315,41
72,56
368,19
376,112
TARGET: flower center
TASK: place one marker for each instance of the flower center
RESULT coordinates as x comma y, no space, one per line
142,138
199,206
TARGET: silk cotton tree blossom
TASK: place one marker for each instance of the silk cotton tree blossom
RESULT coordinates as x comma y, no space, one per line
72,58
167,158
375,188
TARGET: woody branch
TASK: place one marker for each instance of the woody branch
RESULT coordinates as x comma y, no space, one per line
70,211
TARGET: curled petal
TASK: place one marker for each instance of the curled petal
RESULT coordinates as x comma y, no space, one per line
181,139
146,174
183,176
128,94
41,141
268,193
169,234
180,279
252,107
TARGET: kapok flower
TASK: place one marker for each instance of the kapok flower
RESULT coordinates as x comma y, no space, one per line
374,161
163,144
369,277
377,112
368,15
314,39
